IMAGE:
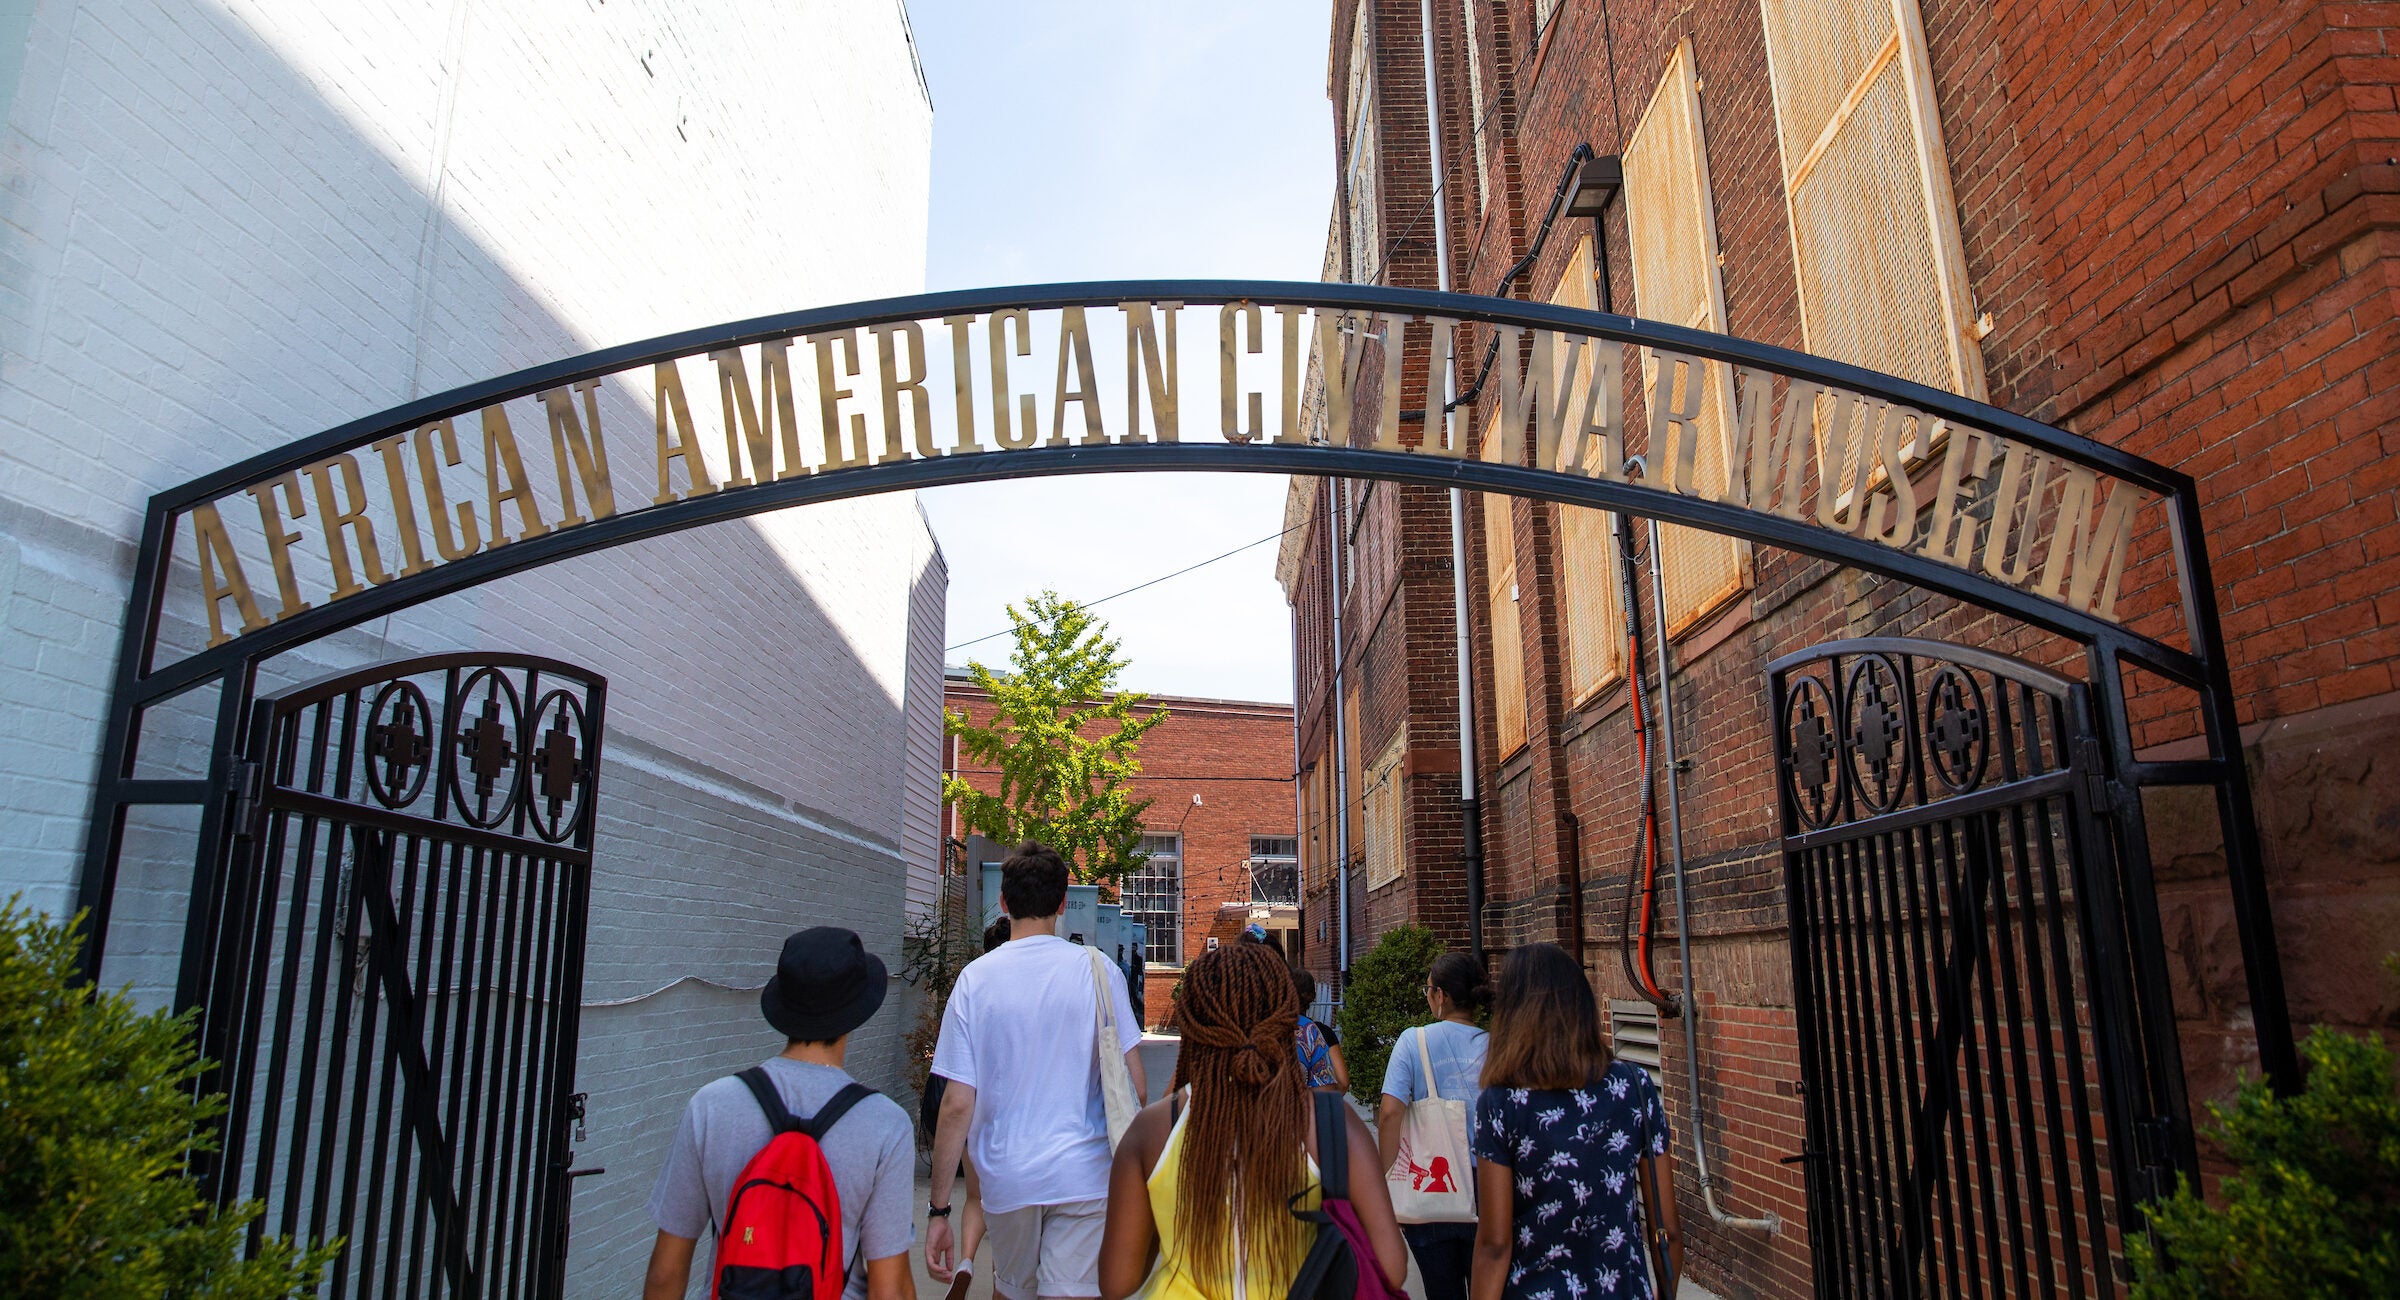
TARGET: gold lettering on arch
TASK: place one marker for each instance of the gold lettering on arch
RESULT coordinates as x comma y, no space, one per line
1798,451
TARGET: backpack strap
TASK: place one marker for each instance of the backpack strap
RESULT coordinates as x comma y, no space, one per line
1333,1147
779,1119
834,1108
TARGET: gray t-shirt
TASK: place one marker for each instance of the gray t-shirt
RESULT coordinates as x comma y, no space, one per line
871,1150
1457,1054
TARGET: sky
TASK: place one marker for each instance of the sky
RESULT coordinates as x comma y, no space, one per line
1083,141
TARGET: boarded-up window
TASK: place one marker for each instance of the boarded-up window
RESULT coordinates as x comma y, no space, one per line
1874,227
1670,217
1361,154
1595,616
1508,646
1312,829
1352,783
1483,167
1387,848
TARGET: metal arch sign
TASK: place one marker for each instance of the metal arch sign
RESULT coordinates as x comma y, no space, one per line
635,441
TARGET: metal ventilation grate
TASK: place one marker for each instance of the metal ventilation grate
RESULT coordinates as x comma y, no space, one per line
1633,1035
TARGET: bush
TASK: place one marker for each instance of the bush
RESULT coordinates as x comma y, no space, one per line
1386,994
97,1116
2313,1208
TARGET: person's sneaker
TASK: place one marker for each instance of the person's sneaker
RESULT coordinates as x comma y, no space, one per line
958,1285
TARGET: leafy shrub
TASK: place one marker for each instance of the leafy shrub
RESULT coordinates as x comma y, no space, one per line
1386,995
97,1116
2314,1207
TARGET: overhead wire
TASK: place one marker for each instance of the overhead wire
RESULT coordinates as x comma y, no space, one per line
1144,585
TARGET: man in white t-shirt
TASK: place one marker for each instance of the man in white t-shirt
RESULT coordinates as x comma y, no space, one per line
1020,1047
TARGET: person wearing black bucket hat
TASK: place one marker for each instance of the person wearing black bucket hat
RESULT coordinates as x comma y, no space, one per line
826,984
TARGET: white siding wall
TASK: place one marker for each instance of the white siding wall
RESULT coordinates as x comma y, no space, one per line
224,226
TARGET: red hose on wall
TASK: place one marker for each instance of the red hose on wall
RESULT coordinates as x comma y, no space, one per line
1642,882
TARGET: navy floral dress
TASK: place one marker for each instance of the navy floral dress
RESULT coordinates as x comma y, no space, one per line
1575,1156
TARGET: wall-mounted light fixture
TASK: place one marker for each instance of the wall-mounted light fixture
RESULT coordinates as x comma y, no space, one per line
1596,185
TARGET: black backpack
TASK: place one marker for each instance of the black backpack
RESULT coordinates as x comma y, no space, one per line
1340,1264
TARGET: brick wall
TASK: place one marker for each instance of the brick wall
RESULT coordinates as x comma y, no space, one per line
229,226
2177,216
1236,757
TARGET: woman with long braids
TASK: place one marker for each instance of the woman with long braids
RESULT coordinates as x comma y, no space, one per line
1566,1140
1200,1197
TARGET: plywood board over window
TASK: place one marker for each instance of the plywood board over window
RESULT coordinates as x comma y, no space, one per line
1387,847
1875,243
1594,612
1362,154
1508,644
1670,218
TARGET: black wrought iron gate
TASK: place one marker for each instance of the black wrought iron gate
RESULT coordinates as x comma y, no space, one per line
394,964
1981,1118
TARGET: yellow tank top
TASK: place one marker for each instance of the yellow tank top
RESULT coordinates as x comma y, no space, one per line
1176,1277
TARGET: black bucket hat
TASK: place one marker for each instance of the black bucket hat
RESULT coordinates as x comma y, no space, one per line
825,985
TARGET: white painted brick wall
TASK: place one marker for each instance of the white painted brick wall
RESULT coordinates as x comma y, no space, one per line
227,225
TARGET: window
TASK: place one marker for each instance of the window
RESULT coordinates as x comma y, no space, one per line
1360,158
1153,896
1483,168
1379,801
1508,646
1274,871
1587,549
1671,218
1875,241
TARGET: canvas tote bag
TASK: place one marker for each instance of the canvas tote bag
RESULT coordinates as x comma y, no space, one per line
1116,1082
1433,1180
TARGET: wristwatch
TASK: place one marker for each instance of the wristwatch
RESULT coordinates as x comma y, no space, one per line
937,1211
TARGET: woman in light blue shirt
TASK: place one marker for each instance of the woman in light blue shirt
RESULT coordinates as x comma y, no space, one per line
1455,989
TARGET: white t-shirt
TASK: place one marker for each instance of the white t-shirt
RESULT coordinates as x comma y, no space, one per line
1020,1029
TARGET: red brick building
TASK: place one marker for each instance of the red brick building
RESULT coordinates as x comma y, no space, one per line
1219,829
2165,227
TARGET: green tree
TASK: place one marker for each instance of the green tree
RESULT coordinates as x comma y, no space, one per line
2313,1207
1386,994
1063,740
97,1116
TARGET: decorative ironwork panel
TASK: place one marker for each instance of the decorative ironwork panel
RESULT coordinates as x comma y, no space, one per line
1969,1050
396,966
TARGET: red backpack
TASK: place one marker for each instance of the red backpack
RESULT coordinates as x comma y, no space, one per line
782,1238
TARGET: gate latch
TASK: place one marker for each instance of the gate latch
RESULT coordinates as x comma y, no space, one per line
575,1111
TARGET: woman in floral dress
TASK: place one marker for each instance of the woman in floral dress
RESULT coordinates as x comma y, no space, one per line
1565,1139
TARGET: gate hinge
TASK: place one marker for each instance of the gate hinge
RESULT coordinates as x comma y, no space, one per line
2153,1135
244,781
575,1110
2102,793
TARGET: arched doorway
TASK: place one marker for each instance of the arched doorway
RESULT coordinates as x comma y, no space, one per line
1870,472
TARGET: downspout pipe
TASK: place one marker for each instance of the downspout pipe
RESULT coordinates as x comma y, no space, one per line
1341,746
1683,914
1469,809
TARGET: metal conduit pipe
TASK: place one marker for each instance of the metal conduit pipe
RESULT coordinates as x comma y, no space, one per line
1341,751
1469,811
1683,914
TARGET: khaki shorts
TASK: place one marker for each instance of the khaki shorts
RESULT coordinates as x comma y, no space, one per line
1047,1250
